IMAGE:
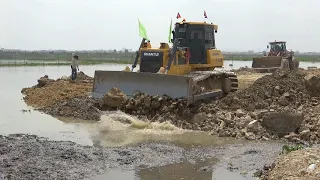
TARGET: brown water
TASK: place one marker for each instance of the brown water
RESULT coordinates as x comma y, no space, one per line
201,170
109,132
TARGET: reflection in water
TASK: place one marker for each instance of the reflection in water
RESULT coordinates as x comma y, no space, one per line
118,175
201,170
184,170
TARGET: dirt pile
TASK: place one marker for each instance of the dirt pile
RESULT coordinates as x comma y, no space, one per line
280,105
49,92
80,108
275,106
282,88
82,77
301,164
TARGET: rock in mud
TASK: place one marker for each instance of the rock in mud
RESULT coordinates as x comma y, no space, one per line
282,123
313,85
114,98
199,118
43,81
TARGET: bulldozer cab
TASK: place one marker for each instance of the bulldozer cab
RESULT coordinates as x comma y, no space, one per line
197,37
277,47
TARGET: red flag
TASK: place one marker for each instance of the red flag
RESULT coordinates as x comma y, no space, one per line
178,15
205,14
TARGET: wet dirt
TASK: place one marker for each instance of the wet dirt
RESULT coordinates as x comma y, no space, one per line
49,92
32,157
78,108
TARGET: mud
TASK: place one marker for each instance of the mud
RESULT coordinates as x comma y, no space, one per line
78,108
32,157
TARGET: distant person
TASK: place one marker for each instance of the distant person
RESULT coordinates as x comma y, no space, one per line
74,66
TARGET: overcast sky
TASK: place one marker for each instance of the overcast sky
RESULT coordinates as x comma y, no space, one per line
113,24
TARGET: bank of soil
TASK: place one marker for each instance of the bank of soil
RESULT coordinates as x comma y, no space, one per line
31,157
297,165
284,105
49,92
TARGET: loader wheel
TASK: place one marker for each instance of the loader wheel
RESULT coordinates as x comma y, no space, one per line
285,64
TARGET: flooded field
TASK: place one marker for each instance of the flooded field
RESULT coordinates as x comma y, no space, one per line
207,151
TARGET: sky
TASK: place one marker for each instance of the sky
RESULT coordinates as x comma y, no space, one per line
113,24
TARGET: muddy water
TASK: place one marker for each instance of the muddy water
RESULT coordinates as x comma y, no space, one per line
121,130
13,120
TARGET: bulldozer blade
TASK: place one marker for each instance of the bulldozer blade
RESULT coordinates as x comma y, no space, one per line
150,83
267,63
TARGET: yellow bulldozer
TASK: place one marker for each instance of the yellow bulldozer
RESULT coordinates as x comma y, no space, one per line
187,69
278,57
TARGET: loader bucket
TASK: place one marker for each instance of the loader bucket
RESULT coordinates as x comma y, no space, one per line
150,83
267,64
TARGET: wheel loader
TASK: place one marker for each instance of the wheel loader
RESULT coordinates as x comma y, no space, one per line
186,70
277,57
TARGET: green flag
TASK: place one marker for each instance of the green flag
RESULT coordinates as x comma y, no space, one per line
142,31
170,31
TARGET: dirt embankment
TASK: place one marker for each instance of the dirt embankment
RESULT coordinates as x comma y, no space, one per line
281,105
63,97
297,165
275,106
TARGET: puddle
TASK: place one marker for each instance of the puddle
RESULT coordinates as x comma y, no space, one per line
203,170
118,129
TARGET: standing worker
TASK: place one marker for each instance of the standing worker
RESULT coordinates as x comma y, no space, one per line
74,66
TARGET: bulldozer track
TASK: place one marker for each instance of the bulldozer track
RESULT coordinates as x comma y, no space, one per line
206,81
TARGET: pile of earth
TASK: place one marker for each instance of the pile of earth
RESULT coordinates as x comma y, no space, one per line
275,106
49,92
78,108
282,105
300,164
82,77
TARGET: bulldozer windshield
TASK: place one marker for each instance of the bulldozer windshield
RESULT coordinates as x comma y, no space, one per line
278,47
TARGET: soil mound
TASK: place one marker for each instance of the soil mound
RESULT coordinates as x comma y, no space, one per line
297,165
82,77
281,88
49,92
114,98
78,108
